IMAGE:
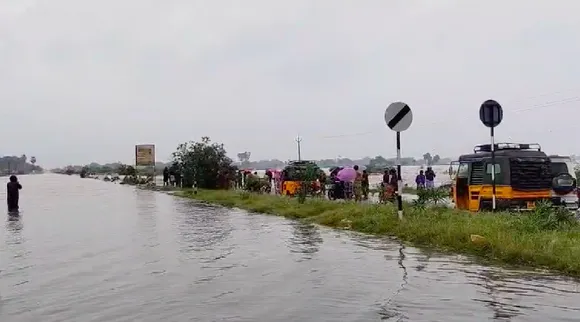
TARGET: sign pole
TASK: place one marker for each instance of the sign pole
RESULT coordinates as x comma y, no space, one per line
491,130
491,115
399,117
399,179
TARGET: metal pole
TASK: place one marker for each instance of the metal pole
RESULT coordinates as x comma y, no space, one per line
493,204
399,179
298,140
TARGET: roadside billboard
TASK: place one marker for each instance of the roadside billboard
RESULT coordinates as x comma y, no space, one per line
145,155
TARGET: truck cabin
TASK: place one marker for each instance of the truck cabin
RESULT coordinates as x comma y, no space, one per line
522,175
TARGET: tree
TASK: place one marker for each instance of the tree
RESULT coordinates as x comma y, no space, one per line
126,170
379,164
436,159
427,157
18,165
244,157
205,164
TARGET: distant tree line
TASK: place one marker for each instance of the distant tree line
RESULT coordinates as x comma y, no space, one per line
108,168
376,162
18,165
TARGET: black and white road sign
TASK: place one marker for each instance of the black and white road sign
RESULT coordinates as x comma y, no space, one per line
491,113
398,116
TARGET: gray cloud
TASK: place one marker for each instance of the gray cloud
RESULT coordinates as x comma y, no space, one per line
86,80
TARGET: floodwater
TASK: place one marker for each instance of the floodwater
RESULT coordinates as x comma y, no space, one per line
87,250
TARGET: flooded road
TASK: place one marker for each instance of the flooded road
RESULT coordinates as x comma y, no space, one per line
87,250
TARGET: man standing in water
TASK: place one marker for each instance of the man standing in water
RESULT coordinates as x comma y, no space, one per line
13,194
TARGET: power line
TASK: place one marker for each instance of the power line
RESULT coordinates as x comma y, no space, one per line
533,107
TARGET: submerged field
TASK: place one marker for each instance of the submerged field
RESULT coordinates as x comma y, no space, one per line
539,239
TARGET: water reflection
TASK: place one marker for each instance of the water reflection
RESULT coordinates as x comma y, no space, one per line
390,309
201,227
147,211
423,260
498,301
305,240
14,224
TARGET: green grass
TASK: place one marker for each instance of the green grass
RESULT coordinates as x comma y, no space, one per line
509,238
409,190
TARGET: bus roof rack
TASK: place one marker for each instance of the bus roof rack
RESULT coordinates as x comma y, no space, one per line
507,146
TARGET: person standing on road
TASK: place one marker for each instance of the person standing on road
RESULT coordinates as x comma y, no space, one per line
166,176
322,180
385,178
239,180
365,185
357,187
430,178
13,194
420,180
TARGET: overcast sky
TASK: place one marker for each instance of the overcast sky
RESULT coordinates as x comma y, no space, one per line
84,81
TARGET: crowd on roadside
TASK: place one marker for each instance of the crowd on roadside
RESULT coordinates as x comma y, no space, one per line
355,186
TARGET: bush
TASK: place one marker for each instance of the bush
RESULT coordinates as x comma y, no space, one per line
430,197
548,217
204,164
257,185
310,175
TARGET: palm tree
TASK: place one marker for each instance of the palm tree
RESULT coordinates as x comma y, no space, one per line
427,157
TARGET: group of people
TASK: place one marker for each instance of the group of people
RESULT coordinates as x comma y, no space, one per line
356,189
425,179
172,176
390,184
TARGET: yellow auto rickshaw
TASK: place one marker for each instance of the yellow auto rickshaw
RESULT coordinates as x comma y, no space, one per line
294,175
522,175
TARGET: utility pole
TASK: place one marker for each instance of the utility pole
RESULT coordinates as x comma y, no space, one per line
298,140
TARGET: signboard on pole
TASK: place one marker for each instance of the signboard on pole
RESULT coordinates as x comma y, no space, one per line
399,117
491,115
145,155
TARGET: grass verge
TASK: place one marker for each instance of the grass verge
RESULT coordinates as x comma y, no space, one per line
408,190
507,238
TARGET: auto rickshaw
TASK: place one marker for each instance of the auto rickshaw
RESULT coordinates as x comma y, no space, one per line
295,173
522,175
